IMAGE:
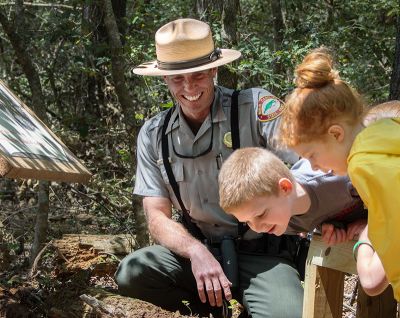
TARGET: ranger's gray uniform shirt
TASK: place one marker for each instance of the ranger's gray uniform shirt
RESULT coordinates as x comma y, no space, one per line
198,178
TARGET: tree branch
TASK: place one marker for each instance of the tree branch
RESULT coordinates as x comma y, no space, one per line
46,5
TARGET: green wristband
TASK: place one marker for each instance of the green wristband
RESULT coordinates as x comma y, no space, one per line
357,245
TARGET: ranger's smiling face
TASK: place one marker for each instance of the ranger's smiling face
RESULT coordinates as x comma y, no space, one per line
193,91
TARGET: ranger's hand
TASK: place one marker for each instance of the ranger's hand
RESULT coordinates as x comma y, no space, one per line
210,277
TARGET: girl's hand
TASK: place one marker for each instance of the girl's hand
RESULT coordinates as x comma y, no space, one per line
356,228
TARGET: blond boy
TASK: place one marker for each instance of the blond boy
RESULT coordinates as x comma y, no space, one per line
256,187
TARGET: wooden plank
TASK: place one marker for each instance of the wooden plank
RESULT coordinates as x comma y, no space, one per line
310,287
338,257
329,297
381,306
323,292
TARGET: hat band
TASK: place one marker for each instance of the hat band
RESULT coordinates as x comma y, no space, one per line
173,66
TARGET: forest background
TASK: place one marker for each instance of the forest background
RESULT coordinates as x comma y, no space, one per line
71,61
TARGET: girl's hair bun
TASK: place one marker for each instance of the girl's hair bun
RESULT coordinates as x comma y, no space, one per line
316,70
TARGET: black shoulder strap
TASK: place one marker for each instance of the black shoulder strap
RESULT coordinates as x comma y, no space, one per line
242,227
167,164
235,120
193,228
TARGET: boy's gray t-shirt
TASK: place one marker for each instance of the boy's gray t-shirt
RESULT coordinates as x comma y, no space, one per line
333,198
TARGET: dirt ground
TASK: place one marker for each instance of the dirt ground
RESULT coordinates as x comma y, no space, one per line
81,265
73,278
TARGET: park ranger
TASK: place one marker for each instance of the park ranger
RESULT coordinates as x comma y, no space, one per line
207,258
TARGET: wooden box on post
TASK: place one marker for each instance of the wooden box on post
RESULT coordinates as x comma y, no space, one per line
324,283
30,150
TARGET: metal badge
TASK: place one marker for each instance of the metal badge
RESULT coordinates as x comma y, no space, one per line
228,139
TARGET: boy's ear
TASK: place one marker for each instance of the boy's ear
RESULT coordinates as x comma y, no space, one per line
285,185
337,132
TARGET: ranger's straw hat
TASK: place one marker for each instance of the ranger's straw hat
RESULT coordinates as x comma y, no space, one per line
185,46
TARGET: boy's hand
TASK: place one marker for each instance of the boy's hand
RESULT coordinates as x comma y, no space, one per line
332,235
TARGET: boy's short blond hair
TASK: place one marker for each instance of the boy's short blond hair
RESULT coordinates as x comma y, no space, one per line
389,109
250,172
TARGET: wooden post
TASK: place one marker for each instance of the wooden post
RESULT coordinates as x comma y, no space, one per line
323,292
324,284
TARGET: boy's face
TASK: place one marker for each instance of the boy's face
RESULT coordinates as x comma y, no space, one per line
266,214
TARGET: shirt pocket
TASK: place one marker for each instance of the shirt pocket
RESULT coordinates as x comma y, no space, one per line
208,189
177,170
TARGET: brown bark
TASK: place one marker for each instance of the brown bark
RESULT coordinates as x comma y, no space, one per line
91,28
279,31
41,223
27,66
118,67
204,8
331,12
395,78
230,39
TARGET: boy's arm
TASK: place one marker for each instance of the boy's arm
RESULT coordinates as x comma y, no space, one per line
369,267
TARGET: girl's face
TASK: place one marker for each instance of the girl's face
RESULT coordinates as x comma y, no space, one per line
331,151
323,156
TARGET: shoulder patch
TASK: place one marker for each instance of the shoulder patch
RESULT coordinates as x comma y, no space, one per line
269,108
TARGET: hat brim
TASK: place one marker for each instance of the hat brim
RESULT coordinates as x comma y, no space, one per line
151,68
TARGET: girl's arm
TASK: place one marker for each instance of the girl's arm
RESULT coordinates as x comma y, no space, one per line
369,267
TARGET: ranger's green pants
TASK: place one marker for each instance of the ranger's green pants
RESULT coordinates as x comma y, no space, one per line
269,286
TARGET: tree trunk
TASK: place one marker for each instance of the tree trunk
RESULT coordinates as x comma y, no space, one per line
88,112
41,225
28,67
279,31
331,12
395,79
118,67
229,39
204,8
39,108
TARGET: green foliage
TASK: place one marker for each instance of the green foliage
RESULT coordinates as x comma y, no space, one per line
360,33
187,304
232,303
